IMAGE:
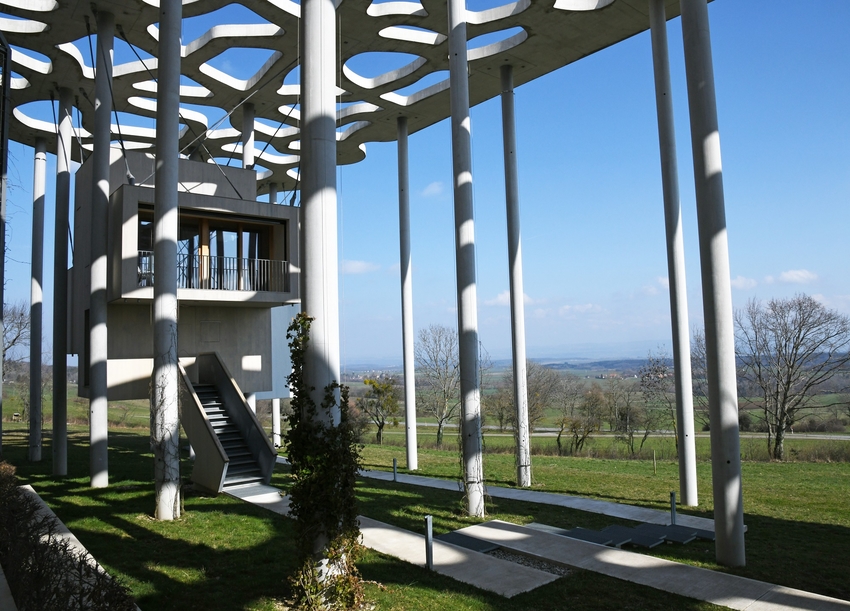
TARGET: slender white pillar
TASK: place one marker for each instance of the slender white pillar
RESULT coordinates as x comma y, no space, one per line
60,284
251,400
716,287
467,299
523,443
39,183
98,426
165,418
276,422
675,257
406,271
248,136
272,192
319,271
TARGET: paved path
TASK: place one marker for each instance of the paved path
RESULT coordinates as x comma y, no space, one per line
615,510
694,582
480,570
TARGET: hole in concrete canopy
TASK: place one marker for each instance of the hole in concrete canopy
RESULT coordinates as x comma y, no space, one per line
500,41
195,27
425,82
581,5
377,63
241,62
409,33
484,5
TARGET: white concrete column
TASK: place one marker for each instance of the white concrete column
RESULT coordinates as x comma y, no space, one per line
165,418
523,443
276,422
251,400
98,426
60,284
39,183
405,268
272,192
675,257
467,299
319,266
248,135
716,287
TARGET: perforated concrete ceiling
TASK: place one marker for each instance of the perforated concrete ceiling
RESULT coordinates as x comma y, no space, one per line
50,50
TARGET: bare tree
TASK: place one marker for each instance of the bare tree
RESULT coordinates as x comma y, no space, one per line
699,379
567,399
658,388
380,403
16,330
500,405
581,413
438,364
629,419
542,387
785,349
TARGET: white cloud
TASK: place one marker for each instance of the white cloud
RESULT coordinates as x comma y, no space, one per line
357,267
581,308
504,299
433,190
663,281
769,279
742,283
798,276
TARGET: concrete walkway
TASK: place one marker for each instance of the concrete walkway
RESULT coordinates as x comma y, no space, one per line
694,582
615,510
480,570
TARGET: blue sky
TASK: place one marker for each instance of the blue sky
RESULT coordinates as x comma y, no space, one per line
590,191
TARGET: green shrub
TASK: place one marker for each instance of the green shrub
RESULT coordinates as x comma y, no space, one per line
44,572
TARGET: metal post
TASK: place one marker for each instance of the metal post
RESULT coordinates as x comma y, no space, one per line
272,192
98,383
673,507
395,469
405,268
60,284
248,136
467,299
675,257
523,444
39,184
276,422
716,287
319,271
165,422
429,544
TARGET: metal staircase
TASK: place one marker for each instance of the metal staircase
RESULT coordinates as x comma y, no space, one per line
242,466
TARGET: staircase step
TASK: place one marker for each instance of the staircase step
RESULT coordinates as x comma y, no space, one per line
238,481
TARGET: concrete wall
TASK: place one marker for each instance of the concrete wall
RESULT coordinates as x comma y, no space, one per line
236,324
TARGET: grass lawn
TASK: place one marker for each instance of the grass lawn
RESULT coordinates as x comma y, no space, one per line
225,554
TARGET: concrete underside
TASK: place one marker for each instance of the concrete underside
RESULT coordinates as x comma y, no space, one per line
554,34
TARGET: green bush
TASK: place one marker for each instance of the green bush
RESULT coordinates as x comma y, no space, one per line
44,572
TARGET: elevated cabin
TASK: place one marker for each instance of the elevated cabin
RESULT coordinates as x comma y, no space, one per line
237,259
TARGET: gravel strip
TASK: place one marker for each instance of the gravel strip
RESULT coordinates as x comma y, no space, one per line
535,563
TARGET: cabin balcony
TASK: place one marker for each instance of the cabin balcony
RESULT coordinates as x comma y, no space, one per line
207,272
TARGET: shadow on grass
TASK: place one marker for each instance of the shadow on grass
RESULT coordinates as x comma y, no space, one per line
226,554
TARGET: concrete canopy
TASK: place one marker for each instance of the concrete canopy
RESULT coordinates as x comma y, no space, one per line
534,36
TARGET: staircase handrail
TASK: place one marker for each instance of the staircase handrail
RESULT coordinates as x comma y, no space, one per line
208,472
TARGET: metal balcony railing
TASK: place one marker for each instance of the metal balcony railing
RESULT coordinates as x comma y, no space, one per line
221,273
